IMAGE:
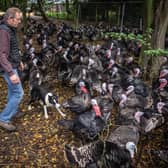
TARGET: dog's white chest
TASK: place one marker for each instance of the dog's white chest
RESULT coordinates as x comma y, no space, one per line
41,102
47,102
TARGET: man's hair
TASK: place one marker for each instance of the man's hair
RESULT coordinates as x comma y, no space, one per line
11,12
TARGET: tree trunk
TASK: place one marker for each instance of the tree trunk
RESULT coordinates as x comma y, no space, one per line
161,24
24,10
144,60
149,13
42,11
67,7
5,4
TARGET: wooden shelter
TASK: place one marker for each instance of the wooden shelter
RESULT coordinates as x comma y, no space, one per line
121,12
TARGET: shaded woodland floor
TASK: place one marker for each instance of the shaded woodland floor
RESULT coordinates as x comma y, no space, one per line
37,142
40,143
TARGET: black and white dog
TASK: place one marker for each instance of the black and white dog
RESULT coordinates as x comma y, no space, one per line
46,99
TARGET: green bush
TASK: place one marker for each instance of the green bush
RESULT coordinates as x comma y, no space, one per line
59,15
157,52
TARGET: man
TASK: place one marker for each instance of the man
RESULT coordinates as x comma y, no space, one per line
10,61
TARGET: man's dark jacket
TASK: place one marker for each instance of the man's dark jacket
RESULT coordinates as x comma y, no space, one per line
13,56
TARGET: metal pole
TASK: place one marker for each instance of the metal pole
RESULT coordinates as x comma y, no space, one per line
78,13
140,24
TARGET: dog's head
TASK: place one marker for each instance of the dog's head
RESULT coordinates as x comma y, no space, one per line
51,99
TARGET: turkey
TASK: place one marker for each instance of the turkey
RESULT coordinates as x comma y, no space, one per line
82,86
117,151
133,67
162,154
78,72
131,99
148,119
88,124
125,116
160,89
105,103
140,87
79,103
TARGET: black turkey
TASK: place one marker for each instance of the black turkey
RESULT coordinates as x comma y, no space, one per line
105,104
78,72
162,154
117,151
82,86
88,124
160,90
133,67
149,119
126,116
35,76
131,99
139,86
79,103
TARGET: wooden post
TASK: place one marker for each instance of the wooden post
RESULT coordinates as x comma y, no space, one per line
140,24
118,15
122,17
78,15
96,14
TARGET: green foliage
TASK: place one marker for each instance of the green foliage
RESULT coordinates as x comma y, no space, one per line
147,37
58,15
126,37
158,52
120,36
144,39
150,51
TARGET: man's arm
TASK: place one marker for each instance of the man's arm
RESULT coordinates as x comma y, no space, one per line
4,53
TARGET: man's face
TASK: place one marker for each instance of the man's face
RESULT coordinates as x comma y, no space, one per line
15,21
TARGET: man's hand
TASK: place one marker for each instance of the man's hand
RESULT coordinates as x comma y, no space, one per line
14,79
21,67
